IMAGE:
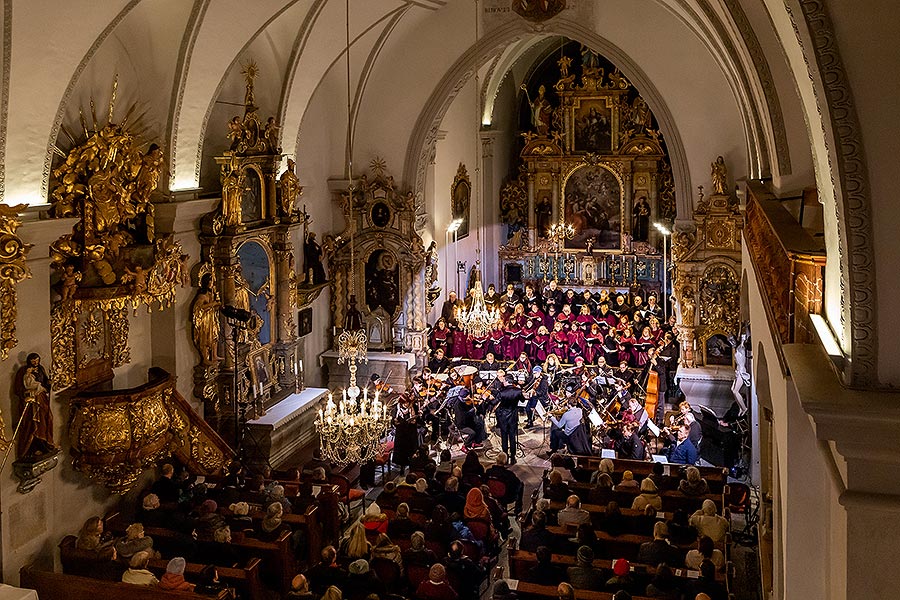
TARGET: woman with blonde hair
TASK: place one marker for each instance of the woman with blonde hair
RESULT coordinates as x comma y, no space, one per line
355,545
385,548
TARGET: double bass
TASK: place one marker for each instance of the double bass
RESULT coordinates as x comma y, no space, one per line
651,401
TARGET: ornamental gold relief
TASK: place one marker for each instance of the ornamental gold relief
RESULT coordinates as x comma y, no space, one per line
13,253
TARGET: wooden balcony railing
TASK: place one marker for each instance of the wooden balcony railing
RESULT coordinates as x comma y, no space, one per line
790,265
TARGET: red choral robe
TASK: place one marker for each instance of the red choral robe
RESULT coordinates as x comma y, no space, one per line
593,342
441,338
539,346
559,345
515,344
460,344
478,346
498,343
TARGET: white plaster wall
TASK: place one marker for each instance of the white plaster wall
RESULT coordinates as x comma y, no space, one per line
874,76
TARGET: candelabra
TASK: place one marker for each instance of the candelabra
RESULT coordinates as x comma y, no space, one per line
478,320
558,234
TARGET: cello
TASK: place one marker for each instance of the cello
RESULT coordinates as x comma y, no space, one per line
651,401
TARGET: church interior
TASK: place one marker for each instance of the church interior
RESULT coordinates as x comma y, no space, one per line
449,299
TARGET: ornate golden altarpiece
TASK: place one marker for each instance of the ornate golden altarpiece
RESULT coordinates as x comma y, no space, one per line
595,161
112,263
248,263
384,267
707,255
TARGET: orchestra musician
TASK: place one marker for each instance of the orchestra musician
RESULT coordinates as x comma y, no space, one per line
564,428
509,397
630,444
439,363
466,418
658,366
539,391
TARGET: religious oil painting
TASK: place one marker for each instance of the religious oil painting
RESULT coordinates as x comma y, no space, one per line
593,127
460,200
382,282
593,206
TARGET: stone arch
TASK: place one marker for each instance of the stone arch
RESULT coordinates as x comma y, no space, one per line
421,147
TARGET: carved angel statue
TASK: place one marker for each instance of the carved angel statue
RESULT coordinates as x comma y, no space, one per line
270,135
70,280
290,189
720,176
205,322
148,176
235,133
687,307
137,278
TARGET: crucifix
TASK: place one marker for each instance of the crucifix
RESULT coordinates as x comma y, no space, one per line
306,219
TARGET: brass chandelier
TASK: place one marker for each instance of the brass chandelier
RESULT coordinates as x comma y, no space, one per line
477,320
354,429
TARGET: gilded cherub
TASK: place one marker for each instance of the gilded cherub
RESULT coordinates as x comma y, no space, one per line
235,133
70,280
137,278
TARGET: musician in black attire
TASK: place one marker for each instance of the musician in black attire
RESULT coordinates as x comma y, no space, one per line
509,398
540,392
439,363
657,365
553,296
448,310
509,300
467,420
668,354
489,363
625,374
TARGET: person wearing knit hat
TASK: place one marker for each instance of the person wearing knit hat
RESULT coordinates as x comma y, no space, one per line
649,496
374,519
621,579
173,579
150,502
707,522
135,541
584,576
436,586
359,567
628,483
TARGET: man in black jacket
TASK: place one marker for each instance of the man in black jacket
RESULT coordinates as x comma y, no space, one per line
514,486
508,415
536,535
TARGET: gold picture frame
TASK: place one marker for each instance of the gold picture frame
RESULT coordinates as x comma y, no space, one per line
260,368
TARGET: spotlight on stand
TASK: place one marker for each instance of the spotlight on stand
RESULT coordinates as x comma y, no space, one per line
233,313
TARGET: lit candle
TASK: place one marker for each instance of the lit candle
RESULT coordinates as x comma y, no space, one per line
365,395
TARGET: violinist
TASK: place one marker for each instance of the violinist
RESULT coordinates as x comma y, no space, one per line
439,363
630,445
552,368
539,391
381,386
466,418
625,374
406,427
523,363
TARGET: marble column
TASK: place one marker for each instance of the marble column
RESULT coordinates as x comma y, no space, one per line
532,217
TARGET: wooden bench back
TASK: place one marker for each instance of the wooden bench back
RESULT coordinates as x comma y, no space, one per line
75,587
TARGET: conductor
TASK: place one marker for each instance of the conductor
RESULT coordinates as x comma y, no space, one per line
509,396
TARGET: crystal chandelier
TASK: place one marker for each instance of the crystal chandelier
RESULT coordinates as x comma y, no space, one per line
477,320
353,430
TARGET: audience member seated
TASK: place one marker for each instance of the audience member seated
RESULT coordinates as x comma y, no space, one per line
565,591
613,522
606,466
166,488
374,519
300,589
451,499
628,483
240,519
705,550
584,576
419,554
332,593
537,535
361,581
659,550
276,494
556,488
401,527
599,491
514,487
680,530
658,476
573,514
173,578
586,536
440,528
134,541
388,550
420,459
693,484
92,541
499,516
223,553
663,584
545,572
621,578
707,584
272,527
317,462
436,586
472,465
707,522
649,496
644,523
210,520
464,570
327,572
150,513
137,573
354,545
621,595
501,591
209,584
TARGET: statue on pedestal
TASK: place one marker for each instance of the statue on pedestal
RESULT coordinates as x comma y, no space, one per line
720,177
35,431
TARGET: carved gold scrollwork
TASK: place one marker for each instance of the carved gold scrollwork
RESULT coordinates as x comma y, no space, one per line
720,299
62,336
12,270
209,457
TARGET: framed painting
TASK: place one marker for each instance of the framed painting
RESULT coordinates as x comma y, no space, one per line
593,124
460,200
305,322
260,368
593,205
